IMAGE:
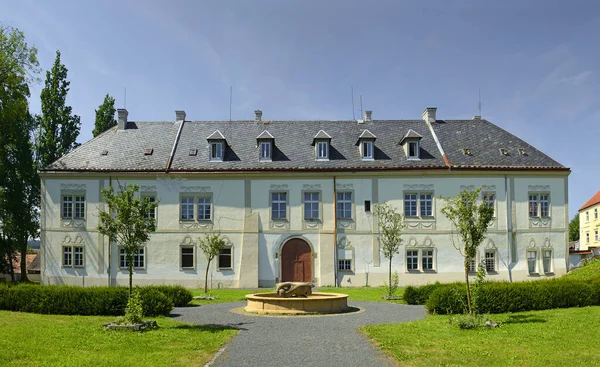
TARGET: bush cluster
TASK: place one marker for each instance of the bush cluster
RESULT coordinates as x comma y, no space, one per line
419,295
99,301
180,296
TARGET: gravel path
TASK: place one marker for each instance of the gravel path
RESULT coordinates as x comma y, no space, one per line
301,340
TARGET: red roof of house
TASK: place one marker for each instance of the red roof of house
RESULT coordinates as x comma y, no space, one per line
593,201
30,259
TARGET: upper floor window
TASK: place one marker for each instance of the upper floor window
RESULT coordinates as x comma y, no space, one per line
489,198
413,149
539,205
367,150
323,150
265,150
344,205
279,205
216,151
418,204
587,216
596,213
311,205
204,206
187,208
152,212
73,206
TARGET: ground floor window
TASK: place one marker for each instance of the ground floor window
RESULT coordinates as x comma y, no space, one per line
345,264
532,261
547,260
73,256
420,259
427,259
473,264
412,260
187,257
490,261
139,259
345,259
225,258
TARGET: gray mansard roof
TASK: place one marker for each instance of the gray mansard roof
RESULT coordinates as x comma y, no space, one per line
293,147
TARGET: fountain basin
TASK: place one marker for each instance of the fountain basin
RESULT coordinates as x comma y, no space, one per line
317,303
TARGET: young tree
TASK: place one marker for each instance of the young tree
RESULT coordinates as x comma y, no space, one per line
470,220
58,127
126,221
574,228
391,224
105,116
211,245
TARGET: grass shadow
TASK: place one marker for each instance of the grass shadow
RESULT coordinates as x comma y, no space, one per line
212,327
524,319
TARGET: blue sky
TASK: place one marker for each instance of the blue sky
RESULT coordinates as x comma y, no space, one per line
536,63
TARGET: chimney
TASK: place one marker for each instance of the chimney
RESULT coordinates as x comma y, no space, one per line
257,116
429,115
476,118
368,116
179,115
122,118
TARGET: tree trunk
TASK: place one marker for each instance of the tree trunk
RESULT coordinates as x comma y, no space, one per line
468,287
11,266
130,268
206,278
24,261
390,279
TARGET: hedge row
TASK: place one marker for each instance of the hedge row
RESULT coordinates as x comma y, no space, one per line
419,295
100,301
501,297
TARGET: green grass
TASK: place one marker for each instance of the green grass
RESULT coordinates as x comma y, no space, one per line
373,294
588,272
50,340
561,337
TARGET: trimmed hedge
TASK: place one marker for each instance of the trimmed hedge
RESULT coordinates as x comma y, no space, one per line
419,295
180,296
99,301
501,297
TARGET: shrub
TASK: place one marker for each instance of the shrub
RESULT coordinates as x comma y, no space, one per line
469,321
419,295
154,303
134,309
450,299
180,296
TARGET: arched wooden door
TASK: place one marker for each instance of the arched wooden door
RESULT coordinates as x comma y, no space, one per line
296,261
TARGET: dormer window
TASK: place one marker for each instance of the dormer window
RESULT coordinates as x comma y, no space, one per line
322,150
412,145
366,144
321,144
265,143
216,151
413,149
265,151
367,150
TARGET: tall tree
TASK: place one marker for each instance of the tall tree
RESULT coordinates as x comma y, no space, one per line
391,224
105,116
19,182
574,228
126,221
470,220
58,127
211,245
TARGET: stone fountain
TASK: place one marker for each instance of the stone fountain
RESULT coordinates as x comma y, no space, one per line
296,298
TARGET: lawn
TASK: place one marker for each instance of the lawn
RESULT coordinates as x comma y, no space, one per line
537,338
49,340
373,294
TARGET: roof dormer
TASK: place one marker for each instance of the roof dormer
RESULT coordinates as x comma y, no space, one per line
217,145
366,145
265,142
411,142
321,142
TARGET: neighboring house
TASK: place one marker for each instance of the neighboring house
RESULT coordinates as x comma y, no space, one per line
33,268
589,223
295,199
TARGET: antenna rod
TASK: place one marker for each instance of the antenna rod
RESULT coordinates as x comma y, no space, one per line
352,89
230,96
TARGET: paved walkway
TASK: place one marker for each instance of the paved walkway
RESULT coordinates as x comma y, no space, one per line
307,341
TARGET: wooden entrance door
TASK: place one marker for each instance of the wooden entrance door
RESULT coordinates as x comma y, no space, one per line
296,261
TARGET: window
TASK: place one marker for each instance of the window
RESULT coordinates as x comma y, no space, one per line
367,206
139,259
490,261
531,261
265,151
322,150
187,257
216,151
412,260
473,265
596,213
225,259
587,216
489,198
587,237
73,206
596,235
204,208
427,259
539,205
187,208
344,205
413,149
345,265
73,256
67,256
151,213
418,204
278,205
367,150
311,205
547,259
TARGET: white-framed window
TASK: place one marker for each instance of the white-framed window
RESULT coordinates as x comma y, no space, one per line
412,260
596,213
279,205
139,259
587,215
547,260
345,257
532,261
225,259
413,149
587,237
216,151
311,205
367,150
539,205
489,198
187,208
345,264
490,261
427,259
73,256
188,257
73,206
473,264
344,205
323,150
596,235
204,208
418,204
265,150
152,212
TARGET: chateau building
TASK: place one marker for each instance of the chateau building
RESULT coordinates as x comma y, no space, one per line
295,200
